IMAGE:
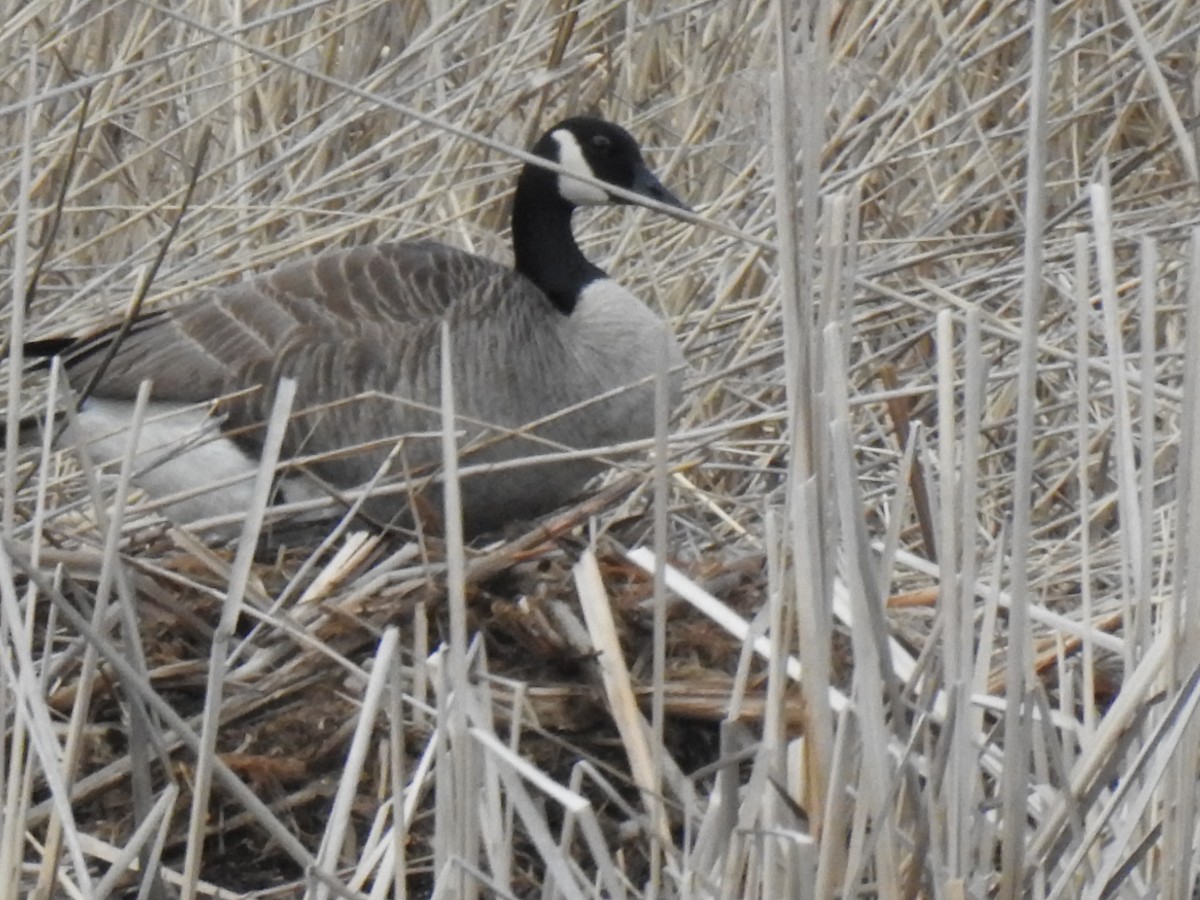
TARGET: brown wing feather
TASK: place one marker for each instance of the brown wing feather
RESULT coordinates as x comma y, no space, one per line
383,298
345,324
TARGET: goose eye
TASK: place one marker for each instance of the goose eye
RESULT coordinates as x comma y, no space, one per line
602,143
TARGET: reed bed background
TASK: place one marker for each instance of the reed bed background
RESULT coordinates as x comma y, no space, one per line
899,606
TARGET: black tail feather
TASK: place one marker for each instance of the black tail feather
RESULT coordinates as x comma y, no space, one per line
44,348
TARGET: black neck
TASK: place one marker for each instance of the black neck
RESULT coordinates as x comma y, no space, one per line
543,245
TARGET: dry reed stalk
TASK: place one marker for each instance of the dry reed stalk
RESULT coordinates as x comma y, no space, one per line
230,612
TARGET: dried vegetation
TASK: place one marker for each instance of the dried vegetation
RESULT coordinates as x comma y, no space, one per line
926,628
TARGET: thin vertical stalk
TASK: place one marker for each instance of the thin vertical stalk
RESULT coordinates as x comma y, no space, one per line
1016,725
1083,311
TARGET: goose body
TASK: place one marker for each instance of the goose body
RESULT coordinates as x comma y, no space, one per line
552,341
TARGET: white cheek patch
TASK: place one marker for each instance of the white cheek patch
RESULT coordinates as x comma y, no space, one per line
570,157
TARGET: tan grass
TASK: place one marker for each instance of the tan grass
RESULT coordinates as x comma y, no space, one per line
936,299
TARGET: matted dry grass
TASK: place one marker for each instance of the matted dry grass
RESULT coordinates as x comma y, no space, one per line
937,447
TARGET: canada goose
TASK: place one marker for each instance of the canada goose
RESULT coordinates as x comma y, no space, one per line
362,325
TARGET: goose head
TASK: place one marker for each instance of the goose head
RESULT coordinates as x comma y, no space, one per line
598,149
543,244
